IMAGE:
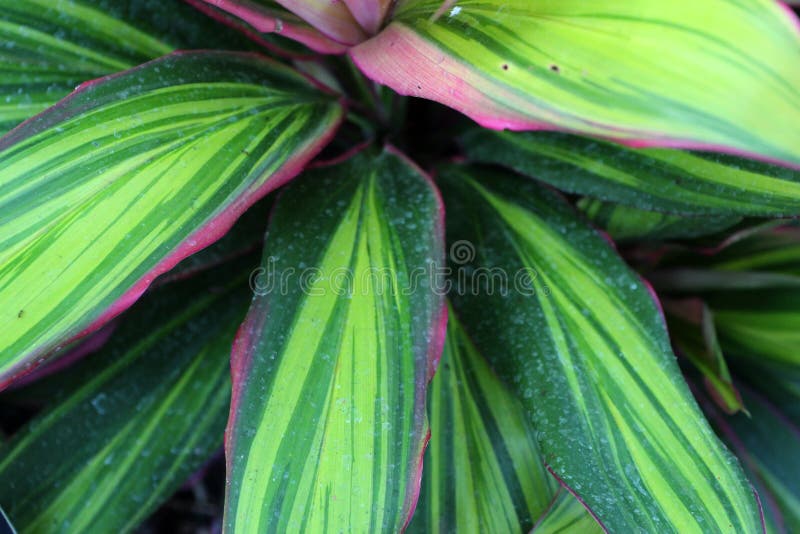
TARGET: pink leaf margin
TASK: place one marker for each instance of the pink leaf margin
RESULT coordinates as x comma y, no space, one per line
211,231
262,21
246,340
413,66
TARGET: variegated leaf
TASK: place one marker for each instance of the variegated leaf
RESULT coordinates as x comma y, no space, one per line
656,179
126,426
133,173
331,367
578,337
48,48
483,469
644,72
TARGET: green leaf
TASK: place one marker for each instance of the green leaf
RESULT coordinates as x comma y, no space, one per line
49,48
652,179
761,325
694,335
578,337
645,72
625,223
567,515
130,175
767,444
483,469
331,367
129,424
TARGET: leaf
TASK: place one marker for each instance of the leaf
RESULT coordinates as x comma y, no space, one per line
129,424
761,325
331,367
331,18
653,179
576,335
767,443
625,223
483,469
48,48
369,13
645,73
694,335
133,173
268,17
566,515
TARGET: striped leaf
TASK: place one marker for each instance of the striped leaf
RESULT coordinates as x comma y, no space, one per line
626,223
577,336
129,424
48,48
130,175
483,469
761,325
267,17
767,443
644,72
331,367
653,179
567,515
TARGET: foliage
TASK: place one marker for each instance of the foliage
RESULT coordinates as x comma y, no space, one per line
442,335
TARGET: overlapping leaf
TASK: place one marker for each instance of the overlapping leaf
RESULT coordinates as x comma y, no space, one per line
483,470
131,174
645,72
332,364
567,515
369,13
577,336
268,17
129,424
48,48
654,179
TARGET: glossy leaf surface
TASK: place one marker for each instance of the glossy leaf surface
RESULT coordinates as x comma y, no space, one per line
133,173
332,365
644,72
578,337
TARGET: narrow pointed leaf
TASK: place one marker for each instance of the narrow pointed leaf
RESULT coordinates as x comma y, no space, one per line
268,17
644,72
49,48
130,175
129,424
567,515
331,366
655,179
578,337
483,469
694,335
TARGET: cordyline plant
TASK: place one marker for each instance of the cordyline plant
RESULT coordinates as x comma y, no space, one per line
500,368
